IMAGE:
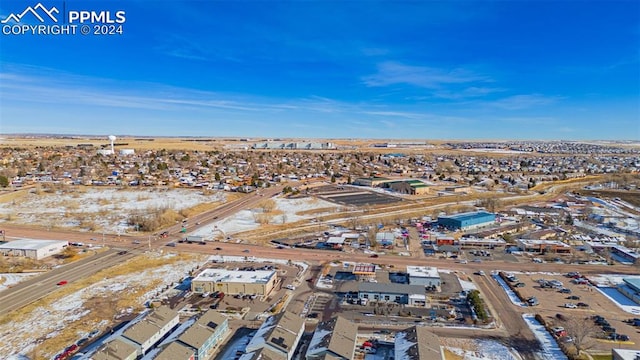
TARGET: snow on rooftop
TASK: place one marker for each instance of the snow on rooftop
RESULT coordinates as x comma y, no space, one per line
235,276
30,244
423,271
318,343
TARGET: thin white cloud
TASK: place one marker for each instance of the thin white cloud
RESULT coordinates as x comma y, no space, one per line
391,73
518,102
466,93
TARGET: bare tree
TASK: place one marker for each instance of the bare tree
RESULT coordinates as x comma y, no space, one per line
582,331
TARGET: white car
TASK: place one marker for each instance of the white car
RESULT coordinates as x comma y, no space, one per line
290,287
570,306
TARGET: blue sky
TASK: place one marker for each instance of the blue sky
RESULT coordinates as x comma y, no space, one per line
331,69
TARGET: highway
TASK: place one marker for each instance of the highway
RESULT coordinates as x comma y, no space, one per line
40,286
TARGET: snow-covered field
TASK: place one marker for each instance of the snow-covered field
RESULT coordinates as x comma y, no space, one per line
9,280
243,220
290,208
246,220
550,348
47,322
484,350
106,209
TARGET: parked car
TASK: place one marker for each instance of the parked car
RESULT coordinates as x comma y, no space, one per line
565,291
520,284
573,297
619,337
570,306
374,256
582,305
608,329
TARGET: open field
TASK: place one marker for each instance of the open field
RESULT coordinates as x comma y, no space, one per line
66,315
106,210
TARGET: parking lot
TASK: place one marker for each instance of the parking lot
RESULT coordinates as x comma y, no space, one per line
350,196
557,306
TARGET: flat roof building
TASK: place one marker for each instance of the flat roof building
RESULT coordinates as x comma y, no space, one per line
231,282
465,221
543,246
412,295
279,334
624,354
148,331
423,275
33,249
334,339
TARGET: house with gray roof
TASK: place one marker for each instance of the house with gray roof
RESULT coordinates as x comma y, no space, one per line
176,351
153,327
417,343
279,335
333,339
207,332
116,350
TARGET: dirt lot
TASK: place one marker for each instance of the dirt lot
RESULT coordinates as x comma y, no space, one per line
552,303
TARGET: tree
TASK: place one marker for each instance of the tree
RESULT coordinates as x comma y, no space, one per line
4,181
568,220
581,329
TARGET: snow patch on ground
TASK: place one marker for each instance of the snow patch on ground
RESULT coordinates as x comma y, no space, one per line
550,348
467,285
47,322
243,220
512,296
91,204
290,208
607,285
11,279
246,220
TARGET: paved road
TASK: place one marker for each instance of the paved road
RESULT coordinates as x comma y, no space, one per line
42,285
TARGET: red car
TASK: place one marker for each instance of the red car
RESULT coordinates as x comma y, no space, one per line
63,282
